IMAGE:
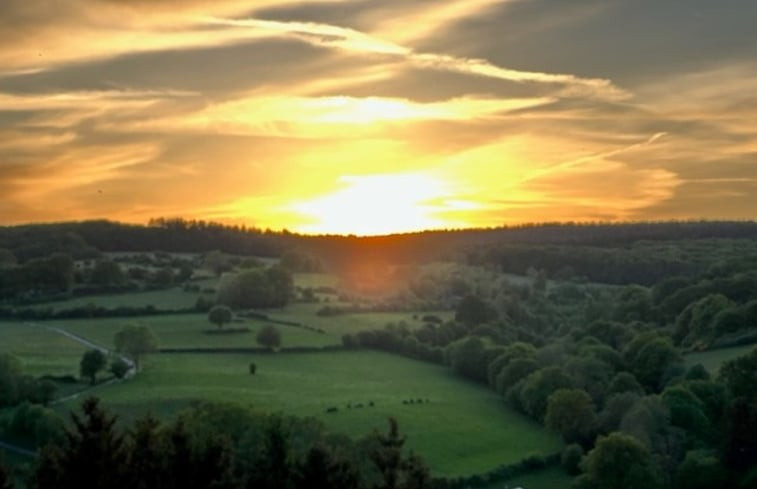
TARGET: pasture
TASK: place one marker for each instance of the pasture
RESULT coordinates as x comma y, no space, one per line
165,299
341,324
459,428
188,331
41,351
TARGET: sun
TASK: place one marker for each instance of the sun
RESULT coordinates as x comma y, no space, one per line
375,205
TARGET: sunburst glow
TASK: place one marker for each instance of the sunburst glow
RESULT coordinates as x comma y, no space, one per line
376,204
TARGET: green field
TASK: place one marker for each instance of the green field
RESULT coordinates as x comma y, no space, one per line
41,351
315,280
341,324
713,359
164,299
188,331
463,429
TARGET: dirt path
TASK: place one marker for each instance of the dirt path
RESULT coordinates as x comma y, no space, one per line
89,344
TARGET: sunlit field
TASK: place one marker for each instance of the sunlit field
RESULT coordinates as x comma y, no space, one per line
459,427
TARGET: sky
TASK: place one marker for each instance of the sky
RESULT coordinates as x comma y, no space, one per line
378,116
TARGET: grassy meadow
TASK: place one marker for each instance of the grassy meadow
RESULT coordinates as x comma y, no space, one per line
189,331
165,299
462,429
41,351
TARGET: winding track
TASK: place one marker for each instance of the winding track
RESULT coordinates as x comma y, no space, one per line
89,344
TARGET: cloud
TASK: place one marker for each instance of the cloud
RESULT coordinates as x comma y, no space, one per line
352,40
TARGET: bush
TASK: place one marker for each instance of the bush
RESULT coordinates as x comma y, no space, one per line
571,459
119,367
253,368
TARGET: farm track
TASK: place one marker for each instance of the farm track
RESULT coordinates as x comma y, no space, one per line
90,344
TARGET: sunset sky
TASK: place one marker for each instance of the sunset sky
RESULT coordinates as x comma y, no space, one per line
378,116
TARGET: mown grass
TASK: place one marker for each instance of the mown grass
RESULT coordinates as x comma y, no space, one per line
188,331
462,429
41,351
713,359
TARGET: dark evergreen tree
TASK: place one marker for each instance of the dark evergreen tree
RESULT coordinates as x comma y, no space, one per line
146,455
321,469
397,472
91,456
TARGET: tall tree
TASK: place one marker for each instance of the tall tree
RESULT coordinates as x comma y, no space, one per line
620,461
146,455
571,413
269,337
92,362
135,340
91,456
396,471
321,469
220,315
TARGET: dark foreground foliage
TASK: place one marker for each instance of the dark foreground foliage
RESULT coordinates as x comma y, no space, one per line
222,447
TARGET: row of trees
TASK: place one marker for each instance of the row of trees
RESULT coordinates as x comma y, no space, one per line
221,446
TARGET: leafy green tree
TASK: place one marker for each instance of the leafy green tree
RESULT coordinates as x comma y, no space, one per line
590,374
220,315
272,287
321,469
35,423
740,375
92,361
146,455
620,461
697,372
653,360
467,357
571,413
687,412
648,421
700,470
696,322
275,467
107,272
624,382
217,262
119,367
472,311
713,396
269,337
135,341
571,459
514,372
634,303
615,408
537,388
